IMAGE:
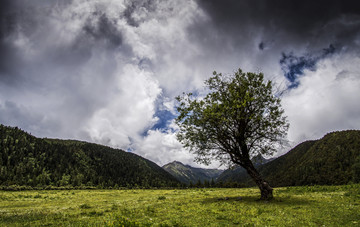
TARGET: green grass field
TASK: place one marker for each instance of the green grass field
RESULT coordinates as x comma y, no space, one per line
293,206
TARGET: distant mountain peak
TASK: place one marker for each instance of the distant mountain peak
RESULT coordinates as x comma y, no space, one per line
186,173
260,160
176,162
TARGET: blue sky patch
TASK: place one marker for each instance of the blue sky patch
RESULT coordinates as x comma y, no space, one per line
294,66
165,117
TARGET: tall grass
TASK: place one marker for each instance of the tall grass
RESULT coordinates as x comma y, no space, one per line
292,206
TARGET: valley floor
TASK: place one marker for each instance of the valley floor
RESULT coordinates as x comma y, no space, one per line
292,206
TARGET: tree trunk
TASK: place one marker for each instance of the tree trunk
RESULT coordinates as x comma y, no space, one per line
265,189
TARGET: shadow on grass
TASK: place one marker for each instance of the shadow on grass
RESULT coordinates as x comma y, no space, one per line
278,200
38,219
21,218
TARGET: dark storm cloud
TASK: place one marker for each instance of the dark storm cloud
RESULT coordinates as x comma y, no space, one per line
284,21
131,8
7,19
16,12
105,31
261,45
145,64
294,16
29,20
49,68
8,57
253,35
17,115
8,54
19,18
349,32
291,31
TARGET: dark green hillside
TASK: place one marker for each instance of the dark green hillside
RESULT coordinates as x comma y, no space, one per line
187,174
332,160
30,161
279,171
235,176
238,174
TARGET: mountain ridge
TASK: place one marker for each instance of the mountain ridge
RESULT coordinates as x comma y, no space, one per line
331,160
191,175
37,162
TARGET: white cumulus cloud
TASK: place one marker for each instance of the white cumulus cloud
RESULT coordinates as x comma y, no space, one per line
326,100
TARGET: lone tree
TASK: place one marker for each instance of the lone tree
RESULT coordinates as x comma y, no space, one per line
238,119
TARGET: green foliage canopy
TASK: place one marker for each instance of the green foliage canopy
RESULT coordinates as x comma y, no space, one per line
239,118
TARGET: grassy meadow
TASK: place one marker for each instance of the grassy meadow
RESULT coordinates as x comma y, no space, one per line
292,206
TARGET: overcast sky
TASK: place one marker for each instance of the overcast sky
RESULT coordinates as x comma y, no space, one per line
107,71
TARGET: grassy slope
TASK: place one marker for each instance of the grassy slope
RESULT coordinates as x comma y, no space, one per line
294,206
327,161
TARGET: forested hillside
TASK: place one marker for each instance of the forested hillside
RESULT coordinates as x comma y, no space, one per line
332,160
234,177
30,161
191,175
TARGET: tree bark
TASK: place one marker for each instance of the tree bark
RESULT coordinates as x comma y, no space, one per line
265,189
